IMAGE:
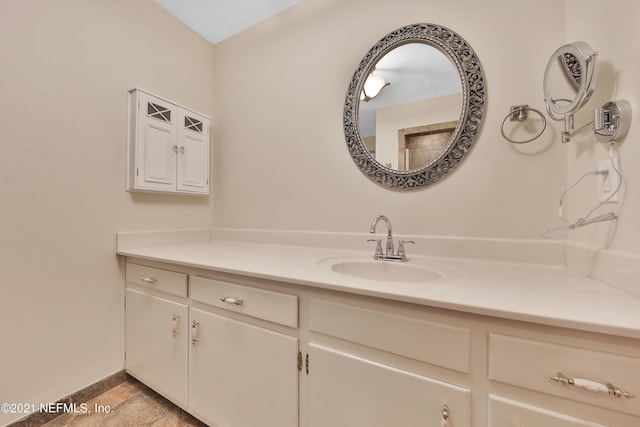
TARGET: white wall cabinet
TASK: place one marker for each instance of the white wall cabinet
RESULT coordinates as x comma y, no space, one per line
261,353
168,146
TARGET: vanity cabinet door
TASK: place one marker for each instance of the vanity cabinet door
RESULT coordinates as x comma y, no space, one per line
156,343
346,390
241,375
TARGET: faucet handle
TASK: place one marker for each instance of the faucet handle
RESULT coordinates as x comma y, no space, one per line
401,252
378,243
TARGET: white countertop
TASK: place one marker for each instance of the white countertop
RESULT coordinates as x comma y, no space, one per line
540,293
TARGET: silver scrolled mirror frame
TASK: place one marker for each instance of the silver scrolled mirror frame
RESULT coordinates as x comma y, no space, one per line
472,78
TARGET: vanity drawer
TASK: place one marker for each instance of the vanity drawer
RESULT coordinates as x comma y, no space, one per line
508,413
530,364
163,280
430,342
275,307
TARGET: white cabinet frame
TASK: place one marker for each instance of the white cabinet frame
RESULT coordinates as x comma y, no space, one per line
167,146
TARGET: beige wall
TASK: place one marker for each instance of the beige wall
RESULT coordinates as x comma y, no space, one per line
282,163
65,69
616,36
285,156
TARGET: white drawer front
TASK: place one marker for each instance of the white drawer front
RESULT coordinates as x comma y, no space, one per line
430,342
508,413
156,278
531,364
259,303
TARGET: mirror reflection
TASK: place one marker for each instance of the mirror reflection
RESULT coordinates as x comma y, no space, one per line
410,106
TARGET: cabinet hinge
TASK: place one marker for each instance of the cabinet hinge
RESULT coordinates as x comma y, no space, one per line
137,172
306,363
299,361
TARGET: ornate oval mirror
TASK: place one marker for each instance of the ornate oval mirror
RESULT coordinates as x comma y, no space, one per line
414,106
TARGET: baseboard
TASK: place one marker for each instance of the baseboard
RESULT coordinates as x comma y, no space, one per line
82,396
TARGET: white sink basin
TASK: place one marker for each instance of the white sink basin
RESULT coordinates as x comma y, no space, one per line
414,271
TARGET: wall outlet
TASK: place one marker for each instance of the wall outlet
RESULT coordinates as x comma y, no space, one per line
608,183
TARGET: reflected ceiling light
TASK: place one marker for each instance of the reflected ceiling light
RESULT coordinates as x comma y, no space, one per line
372,87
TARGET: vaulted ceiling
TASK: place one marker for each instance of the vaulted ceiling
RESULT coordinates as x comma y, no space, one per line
216,20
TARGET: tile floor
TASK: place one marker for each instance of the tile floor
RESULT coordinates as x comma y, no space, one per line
131,404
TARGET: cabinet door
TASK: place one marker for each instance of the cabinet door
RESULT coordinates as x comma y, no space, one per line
193,152
241,375
156,343
508,413
156,144
345,390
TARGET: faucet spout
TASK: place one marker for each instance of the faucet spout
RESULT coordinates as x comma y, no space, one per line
389,232
377,219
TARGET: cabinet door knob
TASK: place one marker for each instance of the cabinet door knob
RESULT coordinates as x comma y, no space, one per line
174,325
149,280
445,416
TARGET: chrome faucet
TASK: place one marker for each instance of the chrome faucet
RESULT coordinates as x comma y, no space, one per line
388,255
372,230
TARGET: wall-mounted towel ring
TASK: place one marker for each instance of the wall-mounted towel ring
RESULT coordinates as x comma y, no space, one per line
519,113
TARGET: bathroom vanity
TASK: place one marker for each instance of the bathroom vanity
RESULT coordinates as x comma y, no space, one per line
312,332
256,334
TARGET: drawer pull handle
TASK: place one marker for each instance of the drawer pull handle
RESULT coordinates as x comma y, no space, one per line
592,386
230,300
619,393
149,280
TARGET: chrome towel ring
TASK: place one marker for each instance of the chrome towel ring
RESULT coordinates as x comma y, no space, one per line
519,113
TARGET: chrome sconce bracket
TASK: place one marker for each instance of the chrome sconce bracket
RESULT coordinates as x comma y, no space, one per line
611,122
